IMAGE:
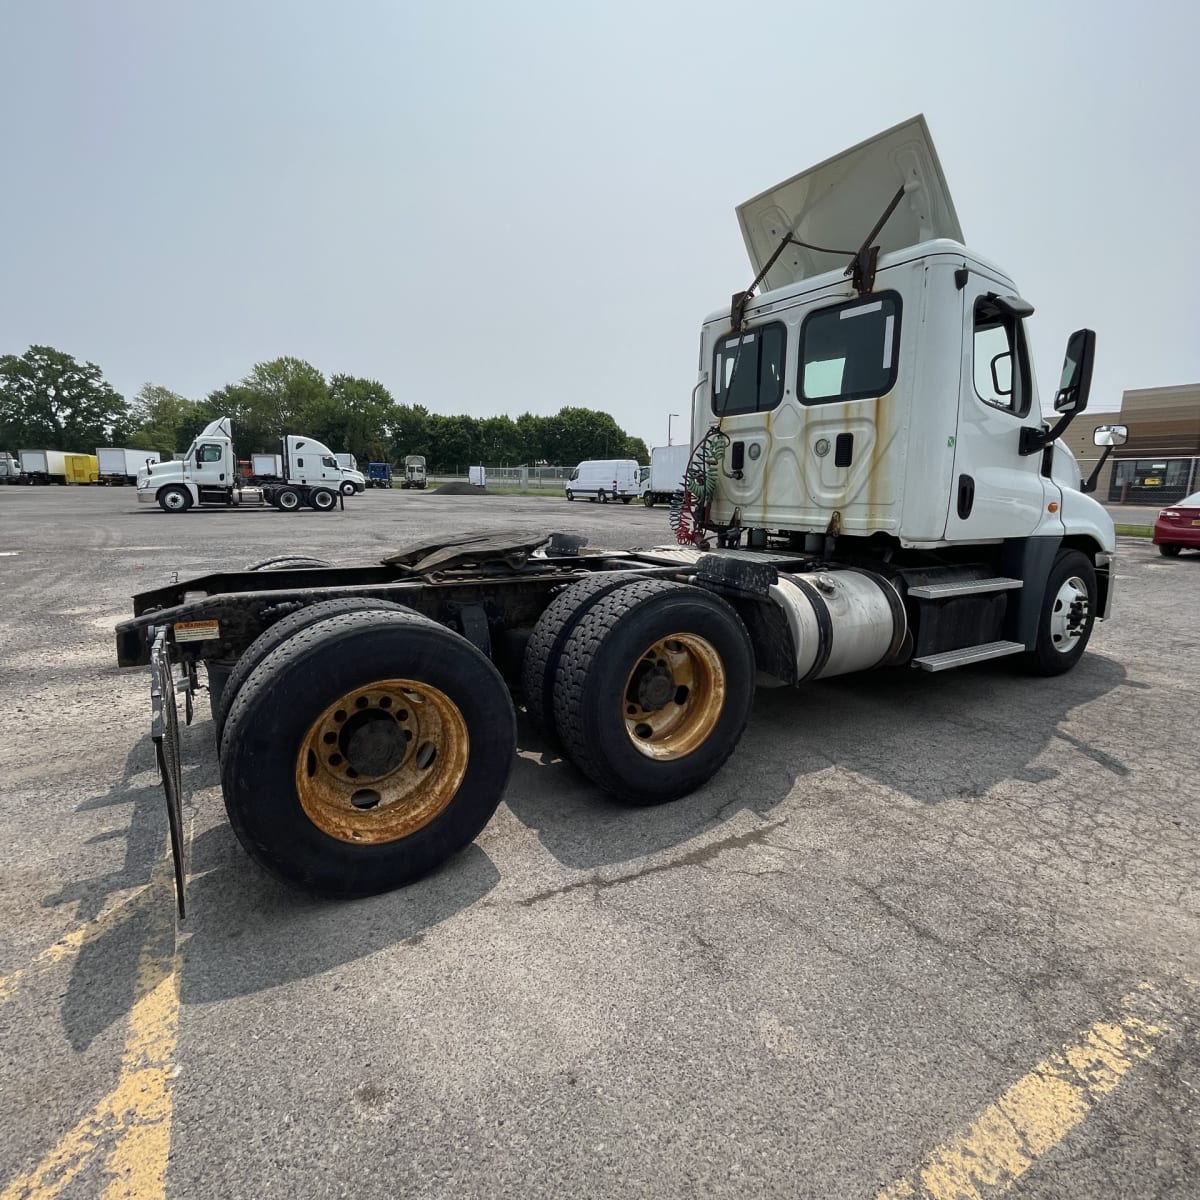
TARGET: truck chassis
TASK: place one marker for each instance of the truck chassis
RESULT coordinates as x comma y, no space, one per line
365,715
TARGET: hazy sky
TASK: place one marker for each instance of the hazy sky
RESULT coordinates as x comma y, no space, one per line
501,207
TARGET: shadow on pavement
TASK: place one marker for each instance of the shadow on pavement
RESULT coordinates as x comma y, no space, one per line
931,738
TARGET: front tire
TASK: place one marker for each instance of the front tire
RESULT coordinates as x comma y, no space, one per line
648,500
1068,615
348,488
174,499
365,751
653,690
1168,551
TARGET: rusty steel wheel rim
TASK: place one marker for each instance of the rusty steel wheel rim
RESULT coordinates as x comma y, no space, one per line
382,761
674,696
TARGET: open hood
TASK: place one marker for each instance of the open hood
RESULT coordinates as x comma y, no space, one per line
836,204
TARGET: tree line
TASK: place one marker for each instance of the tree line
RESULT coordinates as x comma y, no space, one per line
48,400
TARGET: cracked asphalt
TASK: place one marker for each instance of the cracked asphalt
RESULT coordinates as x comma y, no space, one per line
902,893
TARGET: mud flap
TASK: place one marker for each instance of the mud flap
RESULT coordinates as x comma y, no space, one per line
164,730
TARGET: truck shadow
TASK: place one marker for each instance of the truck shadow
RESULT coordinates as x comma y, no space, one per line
245,930
929,738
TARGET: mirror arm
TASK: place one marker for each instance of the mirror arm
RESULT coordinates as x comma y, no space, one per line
1088,485
1033,440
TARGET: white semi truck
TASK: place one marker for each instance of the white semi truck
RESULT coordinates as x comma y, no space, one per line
207,474
871,485
10,468
414,471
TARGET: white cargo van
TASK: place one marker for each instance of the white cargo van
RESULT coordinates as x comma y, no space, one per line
605,479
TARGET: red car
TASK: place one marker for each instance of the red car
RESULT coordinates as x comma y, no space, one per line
1178,526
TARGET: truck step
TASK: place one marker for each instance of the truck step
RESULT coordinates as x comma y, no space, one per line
967,655
962,587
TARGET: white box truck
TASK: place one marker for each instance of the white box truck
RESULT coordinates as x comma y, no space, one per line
605,479
873,486
44,466
667,465
10,468
118,466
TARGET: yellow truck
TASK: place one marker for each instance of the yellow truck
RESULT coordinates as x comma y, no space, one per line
81,468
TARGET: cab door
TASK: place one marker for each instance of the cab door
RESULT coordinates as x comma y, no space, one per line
996,492
210,467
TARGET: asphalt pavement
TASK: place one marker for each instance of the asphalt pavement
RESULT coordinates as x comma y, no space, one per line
925,935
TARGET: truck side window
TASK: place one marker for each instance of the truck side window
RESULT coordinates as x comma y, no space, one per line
329,461
748,370
1001,360
208,453
850,351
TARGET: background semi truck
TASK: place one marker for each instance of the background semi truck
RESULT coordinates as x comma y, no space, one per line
414,471
10,468
379,475
118,466
208,474
872,485
667,467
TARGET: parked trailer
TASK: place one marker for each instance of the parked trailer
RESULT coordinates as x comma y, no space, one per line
667,467
41,467
365,715
118,466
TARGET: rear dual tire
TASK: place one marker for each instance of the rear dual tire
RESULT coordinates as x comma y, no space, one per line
364,751
652,687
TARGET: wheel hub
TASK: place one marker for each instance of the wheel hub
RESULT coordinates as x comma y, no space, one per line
1069,614
382,762
674,696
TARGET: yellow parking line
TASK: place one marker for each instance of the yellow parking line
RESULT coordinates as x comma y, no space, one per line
131,1126
73,942
1036,1113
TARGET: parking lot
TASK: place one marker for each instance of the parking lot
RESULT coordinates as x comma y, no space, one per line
925,935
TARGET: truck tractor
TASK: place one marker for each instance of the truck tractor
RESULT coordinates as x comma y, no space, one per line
379,475
414,472
870,485
306,473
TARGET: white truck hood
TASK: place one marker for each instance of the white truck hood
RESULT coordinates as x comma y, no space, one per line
836,204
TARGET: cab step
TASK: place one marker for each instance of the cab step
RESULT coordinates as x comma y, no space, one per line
963,587
967,655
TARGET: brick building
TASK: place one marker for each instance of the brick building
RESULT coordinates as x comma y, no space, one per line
1161,461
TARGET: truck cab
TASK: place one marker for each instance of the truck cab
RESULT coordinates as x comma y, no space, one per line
414,472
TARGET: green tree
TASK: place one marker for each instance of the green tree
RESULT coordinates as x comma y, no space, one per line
635,448
48,399
164,420
357,415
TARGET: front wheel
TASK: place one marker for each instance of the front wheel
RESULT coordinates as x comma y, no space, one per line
653,688
1068,615
365,751
570,494
648,500
1169,551
348,488
174,500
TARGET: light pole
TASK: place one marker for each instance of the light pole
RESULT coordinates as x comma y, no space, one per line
670,418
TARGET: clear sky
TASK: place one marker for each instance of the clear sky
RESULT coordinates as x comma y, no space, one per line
501,207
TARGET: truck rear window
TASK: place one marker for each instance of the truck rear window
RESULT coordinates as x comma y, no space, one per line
748,370
850,351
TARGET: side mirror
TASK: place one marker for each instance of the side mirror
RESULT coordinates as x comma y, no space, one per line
1076,382
1110,435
